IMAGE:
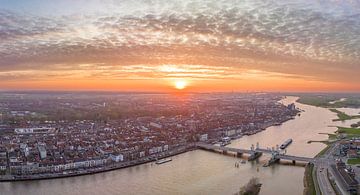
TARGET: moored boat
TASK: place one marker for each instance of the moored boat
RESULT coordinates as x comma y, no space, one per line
286,144
164,160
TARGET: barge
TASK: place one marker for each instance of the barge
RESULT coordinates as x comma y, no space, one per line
286,144
162,161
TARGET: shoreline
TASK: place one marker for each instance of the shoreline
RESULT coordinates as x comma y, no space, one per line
91,172
115,167
190,147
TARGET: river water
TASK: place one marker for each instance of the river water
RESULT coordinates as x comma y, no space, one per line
202,172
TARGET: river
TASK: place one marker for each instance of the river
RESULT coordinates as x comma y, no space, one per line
202,172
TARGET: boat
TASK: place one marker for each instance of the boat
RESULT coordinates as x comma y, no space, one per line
243,162
162,161
286,144
225,141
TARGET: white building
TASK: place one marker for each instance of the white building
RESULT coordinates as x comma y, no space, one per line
166,147
117,157
203,137
27,152
42,151
230,132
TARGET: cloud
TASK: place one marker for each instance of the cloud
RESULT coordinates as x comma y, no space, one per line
317,39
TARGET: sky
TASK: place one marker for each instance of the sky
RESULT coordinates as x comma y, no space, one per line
205,45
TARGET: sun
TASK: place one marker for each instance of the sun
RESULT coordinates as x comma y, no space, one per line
181,84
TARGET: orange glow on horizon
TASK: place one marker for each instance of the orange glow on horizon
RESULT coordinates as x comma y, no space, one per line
184,85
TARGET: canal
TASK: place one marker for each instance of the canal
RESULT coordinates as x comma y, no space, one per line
202,172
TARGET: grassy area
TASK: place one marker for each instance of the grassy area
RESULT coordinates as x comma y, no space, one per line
309,185
323,100
349,130
332,136
323,151
353,161
342,116
319,101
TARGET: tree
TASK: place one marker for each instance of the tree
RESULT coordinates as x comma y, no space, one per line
251,188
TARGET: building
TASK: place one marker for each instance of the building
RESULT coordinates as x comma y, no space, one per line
117,157
291,107
348,181
230,132
42,151
155,125
37,130
203,137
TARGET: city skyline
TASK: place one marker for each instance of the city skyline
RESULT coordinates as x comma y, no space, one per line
195,46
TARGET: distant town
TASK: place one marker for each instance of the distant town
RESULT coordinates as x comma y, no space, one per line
47,135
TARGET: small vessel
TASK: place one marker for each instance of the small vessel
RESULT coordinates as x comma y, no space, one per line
286,144
162,161
225,141
243,162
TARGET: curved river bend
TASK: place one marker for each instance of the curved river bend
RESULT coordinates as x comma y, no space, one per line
201,172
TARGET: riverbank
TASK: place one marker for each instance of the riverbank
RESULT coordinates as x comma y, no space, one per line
13,178
309,185
310,180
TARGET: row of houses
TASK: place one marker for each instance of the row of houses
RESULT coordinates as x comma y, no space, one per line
36,168
158,149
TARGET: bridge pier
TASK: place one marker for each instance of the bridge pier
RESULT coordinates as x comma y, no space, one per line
272,161
254,156
294,162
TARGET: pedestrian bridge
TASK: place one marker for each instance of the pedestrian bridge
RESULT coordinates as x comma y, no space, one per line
275,154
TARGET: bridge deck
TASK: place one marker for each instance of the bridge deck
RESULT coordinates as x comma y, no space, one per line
222,148
238,150
296,158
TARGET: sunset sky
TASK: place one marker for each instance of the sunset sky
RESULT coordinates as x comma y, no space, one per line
199,45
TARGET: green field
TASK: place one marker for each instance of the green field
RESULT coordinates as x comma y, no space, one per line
332,136
353,161
349,130
319,101
323,100
342,116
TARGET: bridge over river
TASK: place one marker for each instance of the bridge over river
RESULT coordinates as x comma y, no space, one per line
256,152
